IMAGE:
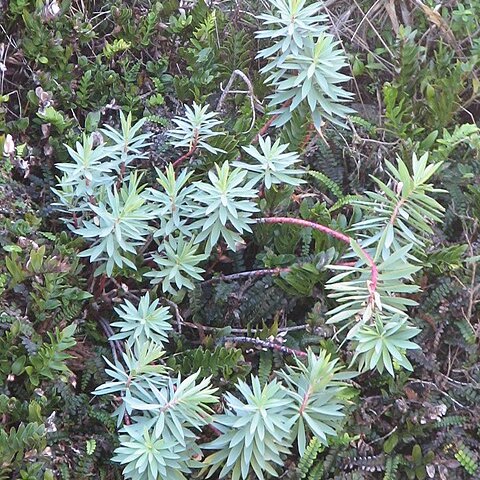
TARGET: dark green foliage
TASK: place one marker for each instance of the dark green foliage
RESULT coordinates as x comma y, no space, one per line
438,88
392,465
326,182
85,87
452,421
296,132
239,303
447,258
265,365
302,278
42,303
104,418
235,52
445,288
308,465
223,364
328,157
467,332
316,472
467,459
228,143
17,440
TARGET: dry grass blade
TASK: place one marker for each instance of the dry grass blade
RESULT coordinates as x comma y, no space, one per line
390,9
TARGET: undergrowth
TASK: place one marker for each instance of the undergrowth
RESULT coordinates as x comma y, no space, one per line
255,240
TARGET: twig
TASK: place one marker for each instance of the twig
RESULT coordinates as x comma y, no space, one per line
268,124
114,344
337,26
365,18
180,160
250,93
391,432
178,316
266,344
456,382
252,273
265,127
125,289
241,331
424,382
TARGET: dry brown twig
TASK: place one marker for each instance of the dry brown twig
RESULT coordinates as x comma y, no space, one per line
254,102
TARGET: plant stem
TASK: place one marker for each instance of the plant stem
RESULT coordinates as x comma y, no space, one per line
267,125
180,160
115,346
252,273
266,344
305,400
372,285
207,328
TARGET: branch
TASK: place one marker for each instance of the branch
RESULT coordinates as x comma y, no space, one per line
265,127
372,285
252,273
207,328
250,93
193,147
266,344
115,346
178,316
305,400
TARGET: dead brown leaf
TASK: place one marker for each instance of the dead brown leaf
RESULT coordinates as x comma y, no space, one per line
434,17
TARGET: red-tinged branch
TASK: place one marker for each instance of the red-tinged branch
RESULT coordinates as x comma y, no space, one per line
75,220
305,400
396,210
372,286
264,129
192,150
260,133
267,344
268,124
181,159
307,138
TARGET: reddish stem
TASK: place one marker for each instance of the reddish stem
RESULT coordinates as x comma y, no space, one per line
100,286
193,147
269,122
372,286
307,137
75,220
260,133
396,210
305,400
180,160
264,129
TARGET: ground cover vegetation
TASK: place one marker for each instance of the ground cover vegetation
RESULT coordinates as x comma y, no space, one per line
239,239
